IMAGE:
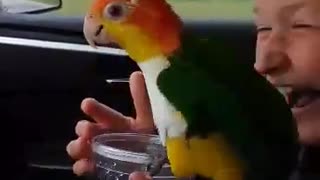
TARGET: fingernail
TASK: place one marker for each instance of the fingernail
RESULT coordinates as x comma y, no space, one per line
91,99
84,102
69,146
148,177
81,126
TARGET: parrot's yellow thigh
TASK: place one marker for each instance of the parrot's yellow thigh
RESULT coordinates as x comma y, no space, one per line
179,157
212,157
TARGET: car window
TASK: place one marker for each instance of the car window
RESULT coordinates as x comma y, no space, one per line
187,9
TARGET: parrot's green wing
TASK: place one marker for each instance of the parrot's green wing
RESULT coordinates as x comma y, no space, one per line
218,95
260,99
208,106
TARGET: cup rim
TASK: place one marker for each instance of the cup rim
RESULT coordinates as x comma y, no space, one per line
120,154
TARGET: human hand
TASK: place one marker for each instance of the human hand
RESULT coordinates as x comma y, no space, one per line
108,119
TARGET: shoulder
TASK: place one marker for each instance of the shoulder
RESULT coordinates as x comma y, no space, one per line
297,175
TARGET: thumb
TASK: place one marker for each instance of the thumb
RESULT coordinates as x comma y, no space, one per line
141,102
139,176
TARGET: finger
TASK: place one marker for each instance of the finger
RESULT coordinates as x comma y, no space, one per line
141,102
82,167
87,129
79,148
104,115
139,176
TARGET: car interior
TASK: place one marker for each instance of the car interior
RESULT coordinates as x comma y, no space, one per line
47,69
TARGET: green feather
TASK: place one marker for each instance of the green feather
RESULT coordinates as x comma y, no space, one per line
218,94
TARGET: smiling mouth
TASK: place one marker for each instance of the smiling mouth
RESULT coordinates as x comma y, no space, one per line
300,98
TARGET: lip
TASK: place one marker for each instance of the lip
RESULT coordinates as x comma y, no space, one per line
312,106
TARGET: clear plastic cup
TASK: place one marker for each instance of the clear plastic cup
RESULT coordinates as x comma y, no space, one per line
117,155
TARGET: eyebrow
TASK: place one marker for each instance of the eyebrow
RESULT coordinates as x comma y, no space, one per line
255,10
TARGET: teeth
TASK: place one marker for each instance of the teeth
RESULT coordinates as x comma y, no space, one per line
284,90
298,97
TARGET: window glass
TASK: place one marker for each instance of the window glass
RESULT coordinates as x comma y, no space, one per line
187,9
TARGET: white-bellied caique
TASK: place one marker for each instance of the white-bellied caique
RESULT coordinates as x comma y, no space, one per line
218,118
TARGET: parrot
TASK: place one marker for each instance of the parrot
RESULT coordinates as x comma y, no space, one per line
218,118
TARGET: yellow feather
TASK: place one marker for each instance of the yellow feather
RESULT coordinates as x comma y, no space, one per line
210,157
137,44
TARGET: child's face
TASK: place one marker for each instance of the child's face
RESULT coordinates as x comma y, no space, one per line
288,54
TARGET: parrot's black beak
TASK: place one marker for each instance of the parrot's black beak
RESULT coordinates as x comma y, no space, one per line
95,33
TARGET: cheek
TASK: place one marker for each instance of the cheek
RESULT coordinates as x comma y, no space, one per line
308,126
305,55
259,48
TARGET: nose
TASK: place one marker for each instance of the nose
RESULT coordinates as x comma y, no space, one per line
271,55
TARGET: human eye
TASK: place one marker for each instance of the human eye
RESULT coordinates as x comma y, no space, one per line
302,25
263,28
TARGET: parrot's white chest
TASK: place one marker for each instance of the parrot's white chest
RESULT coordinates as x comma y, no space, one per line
166,118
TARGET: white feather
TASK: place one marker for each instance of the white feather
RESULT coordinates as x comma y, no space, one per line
165,115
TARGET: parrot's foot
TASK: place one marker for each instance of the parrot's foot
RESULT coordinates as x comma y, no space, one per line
157,168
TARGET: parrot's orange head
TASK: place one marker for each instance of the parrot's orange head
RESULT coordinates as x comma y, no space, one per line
144,28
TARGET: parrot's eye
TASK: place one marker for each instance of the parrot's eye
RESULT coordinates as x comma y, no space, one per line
115,11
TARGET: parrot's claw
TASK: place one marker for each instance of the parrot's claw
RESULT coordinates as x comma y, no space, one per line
157,168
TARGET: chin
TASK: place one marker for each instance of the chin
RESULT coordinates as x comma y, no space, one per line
309,128
308,121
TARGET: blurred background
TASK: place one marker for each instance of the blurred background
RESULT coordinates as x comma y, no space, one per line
187,9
